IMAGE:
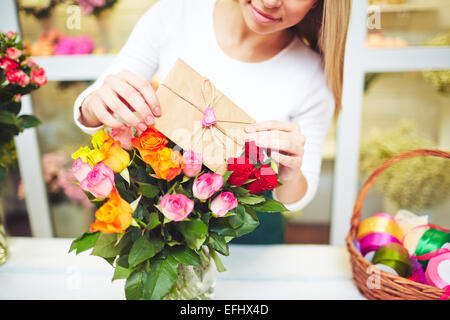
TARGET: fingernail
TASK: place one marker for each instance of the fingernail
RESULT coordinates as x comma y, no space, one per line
249,128
142,127
157,110
149,120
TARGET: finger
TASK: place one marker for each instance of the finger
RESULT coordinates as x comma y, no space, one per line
130,97
273,125
118,107
101,112
145,88
286,160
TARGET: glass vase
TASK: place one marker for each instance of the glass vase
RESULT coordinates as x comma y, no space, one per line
194,282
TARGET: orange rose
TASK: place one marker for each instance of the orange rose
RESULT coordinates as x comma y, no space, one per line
115,157
114,216
167,163
150,141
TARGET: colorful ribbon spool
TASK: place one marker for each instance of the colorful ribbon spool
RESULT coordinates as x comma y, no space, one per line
438,271
393,258
432,240
376,231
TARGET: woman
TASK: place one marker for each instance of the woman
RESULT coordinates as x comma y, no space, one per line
279,60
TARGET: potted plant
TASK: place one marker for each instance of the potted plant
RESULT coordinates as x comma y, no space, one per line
19,75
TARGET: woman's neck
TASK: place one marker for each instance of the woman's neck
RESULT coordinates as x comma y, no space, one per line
238,41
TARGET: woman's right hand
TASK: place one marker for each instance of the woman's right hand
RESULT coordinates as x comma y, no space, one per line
122,94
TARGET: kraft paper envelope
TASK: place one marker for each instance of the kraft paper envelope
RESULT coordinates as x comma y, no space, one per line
184,95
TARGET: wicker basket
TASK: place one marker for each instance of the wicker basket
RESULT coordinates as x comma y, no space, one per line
391,287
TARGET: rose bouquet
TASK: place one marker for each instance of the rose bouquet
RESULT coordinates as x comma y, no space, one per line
19,75
161,211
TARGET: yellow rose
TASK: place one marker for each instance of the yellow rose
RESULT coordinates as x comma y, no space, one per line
115,156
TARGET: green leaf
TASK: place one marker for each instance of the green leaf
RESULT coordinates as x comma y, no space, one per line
105,246
135,284
270,205
185,179
192,229
29,121
153,221
219,265
237,220
195,232
248,226
144,249
222,227
185,256
226,176
84,242
125,174
8,117
251,200
148,190
161,278
121,273
135,203
123,261
218,243
240,192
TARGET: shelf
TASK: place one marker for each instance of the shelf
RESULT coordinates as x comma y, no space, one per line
405,59
74,67
411,6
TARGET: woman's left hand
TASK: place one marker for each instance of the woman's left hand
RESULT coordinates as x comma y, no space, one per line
285,144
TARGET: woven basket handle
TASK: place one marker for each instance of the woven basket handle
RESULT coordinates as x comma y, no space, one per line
356,217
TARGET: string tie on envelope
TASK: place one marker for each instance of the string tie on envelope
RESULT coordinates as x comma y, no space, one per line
209,121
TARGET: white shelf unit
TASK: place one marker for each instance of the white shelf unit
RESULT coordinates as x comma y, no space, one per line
74,67
359,61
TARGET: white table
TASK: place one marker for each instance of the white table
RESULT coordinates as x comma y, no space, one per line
42,269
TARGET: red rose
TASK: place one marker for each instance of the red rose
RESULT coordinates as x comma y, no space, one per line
266,179
13,53
38,76
242,168
18,77
8,64
254,153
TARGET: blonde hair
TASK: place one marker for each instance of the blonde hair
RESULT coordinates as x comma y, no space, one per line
324,29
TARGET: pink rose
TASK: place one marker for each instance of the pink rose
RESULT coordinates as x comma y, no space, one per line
124,136
9,34
192,163
28,63
17,97
176,207
8,64
206,184
13,53
38,76
99,181
80,169
223,203
18,77
83,45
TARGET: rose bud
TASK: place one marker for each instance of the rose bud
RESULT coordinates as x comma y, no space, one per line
192,163
223,203
176,207
206,184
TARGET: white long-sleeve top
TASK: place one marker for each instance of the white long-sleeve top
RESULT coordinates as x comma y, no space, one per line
289,86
